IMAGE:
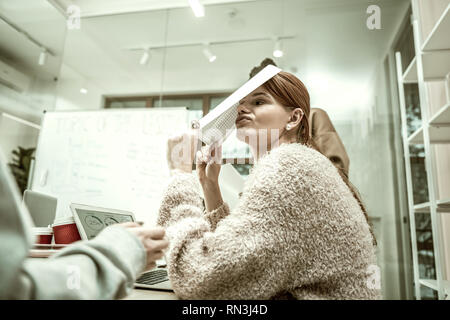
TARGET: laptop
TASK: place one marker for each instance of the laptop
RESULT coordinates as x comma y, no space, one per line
91,220
42,207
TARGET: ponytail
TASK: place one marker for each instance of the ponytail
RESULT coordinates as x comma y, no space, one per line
290,92
353,190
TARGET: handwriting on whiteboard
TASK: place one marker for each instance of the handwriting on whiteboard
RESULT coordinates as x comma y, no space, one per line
114,159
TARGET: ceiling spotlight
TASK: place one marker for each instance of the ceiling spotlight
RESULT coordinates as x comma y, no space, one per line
145,57
42,57
234,20
232,13
208,54
277,52
83,91
197,7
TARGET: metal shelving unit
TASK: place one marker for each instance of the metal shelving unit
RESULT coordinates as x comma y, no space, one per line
431,63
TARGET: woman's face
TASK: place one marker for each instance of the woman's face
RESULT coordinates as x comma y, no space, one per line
260,118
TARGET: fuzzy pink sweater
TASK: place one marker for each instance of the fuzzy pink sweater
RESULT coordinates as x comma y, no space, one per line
297,232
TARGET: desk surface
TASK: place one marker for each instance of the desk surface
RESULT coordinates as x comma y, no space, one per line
144,294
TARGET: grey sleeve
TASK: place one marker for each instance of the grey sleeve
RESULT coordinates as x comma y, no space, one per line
103,268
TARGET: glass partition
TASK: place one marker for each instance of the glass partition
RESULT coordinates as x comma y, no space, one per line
167,57
163,56
32,37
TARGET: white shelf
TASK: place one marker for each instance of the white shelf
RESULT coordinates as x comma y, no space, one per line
439,38
440,125
438,135
422,208
416,137
439,128
442,206
436,65
410,75
432,284
435,57
442,117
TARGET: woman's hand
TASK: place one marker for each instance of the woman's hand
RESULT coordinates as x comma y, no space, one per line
209,161
152,239
181,151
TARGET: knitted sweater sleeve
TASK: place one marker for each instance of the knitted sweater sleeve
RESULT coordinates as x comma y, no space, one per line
182,199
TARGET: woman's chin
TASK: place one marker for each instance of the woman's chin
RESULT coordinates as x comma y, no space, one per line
246,134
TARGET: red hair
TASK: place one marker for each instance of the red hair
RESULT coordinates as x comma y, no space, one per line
290,92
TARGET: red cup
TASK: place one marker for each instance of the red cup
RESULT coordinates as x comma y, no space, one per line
43,236
65,231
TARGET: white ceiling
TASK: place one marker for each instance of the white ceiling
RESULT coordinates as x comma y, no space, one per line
44,24
333,51
92,8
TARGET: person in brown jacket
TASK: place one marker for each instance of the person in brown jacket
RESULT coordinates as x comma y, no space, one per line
327,140
299,230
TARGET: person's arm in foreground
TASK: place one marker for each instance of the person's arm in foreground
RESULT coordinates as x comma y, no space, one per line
102,268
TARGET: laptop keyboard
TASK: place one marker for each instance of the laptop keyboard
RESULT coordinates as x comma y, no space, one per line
153,277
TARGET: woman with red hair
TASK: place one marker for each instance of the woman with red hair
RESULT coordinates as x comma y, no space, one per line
299,231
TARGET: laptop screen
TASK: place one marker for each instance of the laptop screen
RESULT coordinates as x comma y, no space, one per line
42,207
95,221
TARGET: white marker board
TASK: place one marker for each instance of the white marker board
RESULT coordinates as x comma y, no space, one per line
107,158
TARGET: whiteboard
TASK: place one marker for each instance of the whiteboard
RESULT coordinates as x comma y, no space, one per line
107,158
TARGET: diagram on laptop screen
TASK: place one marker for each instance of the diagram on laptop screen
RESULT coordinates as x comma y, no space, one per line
95,221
